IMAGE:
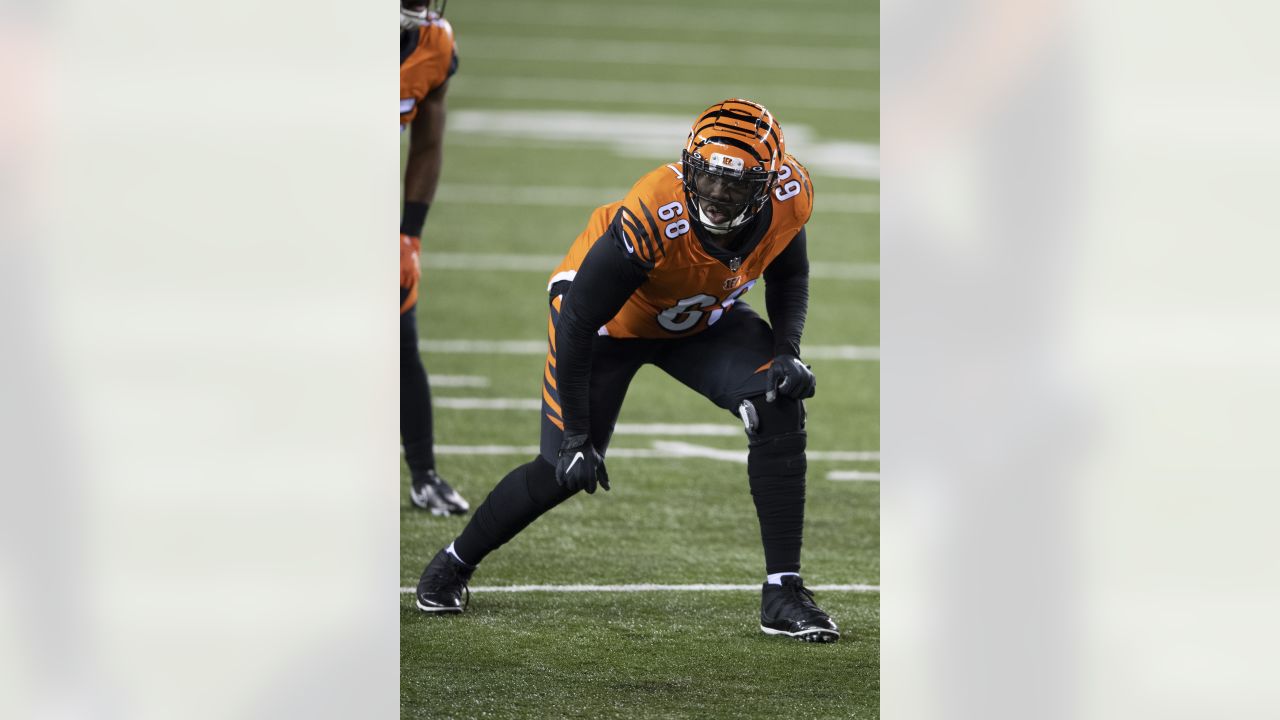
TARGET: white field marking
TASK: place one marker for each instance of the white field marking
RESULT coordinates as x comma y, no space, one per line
666,17
487,449
465,403
840,352
686,450
459,380
649,587
489,262
631,52
648,135
705,429
853,475
674,448
586,197
648,92
539,347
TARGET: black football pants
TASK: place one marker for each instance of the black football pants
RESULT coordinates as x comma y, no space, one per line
415,396
726,363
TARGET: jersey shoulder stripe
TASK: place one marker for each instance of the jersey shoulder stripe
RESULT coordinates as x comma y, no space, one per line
656,199
653,228
629,231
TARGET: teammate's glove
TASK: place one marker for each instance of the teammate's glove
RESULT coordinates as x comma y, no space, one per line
790,377
580,467
410,270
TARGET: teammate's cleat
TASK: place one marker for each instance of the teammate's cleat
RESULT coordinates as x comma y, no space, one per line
788,609
443,585
430,492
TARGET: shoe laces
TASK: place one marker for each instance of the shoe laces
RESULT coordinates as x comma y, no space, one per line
451,574
803,597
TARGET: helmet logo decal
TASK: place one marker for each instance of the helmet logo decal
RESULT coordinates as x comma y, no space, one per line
728,162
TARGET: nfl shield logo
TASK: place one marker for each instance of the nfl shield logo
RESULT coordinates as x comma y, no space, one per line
735,263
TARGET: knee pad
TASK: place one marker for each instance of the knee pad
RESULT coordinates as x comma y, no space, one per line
763,420
776,438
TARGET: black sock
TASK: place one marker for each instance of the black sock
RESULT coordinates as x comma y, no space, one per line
776,468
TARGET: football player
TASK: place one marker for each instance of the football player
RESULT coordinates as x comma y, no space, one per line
658,277
428,58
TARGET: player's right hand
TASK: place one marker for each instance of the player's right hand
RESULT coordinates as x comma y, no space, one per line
790,377
580,467
410,269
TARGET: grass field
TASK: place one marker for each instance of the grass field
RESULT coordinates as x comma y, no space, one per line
530,151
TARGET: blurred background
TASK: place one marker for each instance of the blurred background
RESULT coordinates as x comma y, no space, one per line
1078,330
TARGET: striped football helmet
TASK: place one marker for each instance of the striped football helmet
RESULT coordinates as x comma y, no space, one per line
731,162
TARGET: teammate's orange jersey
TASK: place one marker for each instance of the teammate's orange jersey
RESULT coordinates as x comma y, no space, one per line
688,288
427,67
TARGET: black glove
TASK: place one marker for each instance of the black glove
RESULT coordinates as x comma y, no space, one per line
792,378
580,467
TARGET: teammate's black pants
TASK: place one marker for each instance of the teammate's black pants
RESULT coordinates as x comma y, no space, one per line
415,396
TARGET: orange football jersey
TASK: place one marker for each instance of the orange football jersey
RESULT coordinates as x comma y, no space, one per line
688,289
427,67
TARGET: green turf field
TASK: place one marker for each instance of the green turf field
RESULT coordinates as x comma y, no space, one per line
529,153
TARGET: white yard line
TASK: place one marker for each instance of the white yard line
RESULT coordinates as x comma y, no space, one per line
650,135
466,403
489,262
484,347
633,52
667,449
649,587
539,347
853,475
840,352
649,92
459,380
706,429
672,448
586,197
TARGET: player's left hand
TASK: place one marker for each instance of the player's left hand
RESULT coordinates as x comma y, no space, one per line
790,377
579,466
410,269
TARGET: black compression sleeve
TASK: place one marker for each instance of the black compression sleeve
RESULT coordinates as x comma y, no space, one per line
604,281
786,295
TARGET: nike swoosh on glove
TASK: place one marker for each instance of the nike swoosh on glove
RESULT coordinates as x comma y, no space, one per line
790,377
579,466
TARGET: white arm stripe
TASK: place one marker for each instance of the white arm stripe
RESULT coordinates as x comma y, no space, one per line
566,275
406,104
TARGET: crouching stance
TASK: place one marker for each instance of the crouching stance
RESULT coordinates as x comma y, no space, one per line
658,278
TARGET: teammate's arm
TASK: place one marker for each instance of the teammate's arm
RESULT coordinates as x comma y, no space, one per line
786,295
426,156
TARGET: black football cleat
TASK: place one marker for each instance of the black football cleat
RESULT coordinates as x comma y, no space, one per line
788,609
429,491
443,585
